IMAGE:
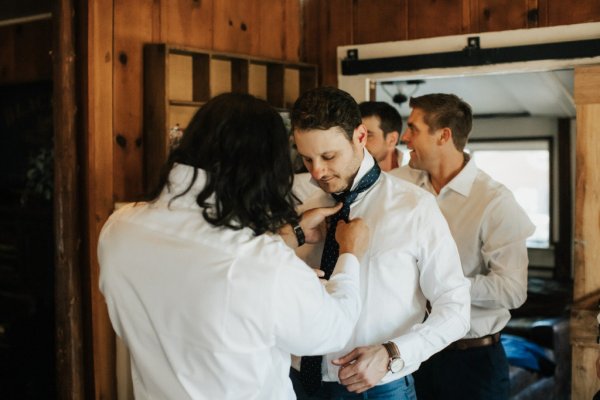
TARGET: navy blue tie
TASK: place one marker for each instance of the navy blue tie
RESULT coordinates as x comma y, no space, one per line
310,366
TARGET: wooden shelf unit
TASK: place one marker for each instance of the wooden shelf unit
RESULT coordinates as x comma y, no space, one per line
179,80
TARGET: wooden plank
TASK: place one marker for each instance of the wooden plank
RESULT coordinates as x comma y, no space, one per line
235,25
587,85
584,370
239,75
67,227
292,24
257,80
494,15
187,22
587,213
380,21
275,92
99,181
326,26
270,15
566,12
180,76
291,87
446,18
131,31
583,327
201,77
156,127
220,77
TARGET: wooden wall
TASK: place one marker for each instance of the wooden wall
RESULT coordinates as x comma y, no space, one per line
115,32
328,24
265,28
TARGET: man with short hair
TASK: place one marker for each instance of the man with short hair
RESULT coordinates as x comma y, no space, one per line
412,257
490,230
384,125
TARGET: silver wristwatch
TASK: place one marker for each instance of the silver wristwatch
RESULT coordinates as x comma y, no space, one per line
396,362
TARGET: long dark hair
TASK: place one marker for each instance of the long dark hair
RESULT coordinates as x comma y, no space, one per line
242,145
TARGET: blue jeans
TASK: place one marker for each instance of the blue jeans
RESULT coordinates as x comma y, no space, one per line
400,389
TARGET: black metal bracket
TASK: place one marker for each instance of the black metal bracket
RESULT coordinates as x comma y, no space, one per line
473,55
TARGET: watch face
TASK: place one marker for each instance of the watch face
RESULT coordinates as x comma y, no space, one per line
396,365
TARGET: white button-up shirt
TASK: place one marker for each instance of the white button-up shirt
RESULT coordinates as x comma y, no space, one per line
214,313
490,229
412,257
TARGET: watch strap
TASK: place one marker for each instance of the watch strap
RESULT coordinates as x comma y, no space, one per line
299,234
392,349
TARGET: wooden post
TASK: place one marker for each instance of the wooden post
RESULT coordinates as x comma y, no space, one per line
69,360
587,252
99,188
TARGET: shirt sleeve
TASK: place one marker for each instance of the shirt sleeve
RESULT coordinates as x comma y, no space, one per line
311,318
442,282
504,231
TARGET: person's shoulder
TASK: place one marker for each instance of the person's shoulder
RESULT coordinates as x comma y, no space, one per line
486,187
407,173
402,194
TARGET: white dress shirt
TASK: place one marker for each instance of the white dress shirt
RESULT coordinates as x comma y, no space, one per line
490,229
214,313
412,257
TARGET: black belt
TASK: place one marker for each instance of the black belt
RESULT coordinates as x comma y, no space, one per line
464,344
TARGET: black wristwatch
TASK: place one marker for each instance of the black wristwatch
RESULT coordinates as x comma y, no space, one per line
396,362
299,234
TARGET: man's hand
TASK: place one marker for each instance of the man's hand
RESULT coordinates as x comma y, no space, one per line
353,237
363,367
313,222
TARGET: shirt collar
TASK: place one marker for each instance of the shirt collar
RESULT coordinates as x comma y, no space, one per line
463,182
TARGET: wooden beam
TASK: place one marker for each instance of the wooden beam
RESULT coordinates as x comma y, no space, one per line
99,189
587,214
67,227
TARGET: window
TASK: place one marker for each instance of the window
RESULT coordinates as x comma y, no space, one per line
523,166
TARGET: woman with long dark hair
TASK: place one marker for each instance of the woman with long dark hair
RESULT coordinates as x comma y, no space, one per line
202,282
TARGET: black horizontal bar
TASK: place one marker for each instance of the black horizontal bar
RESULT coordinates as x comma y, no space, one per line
470,56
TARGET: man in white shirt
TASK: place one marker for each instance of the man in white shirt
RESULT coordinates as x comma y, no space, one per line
384,124
490,230
206,295
411,258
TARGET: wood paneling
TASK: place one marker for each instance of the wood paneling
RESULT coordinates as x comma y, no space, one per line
270,20
587,85
498,15
236,26
429,18
25,52
584,361
131,30
562,12
292,23
98,172
587,217
186,22
327,24
370,16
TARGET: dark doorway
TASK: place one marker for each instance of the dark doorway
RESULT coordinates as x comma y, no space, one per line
27,350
